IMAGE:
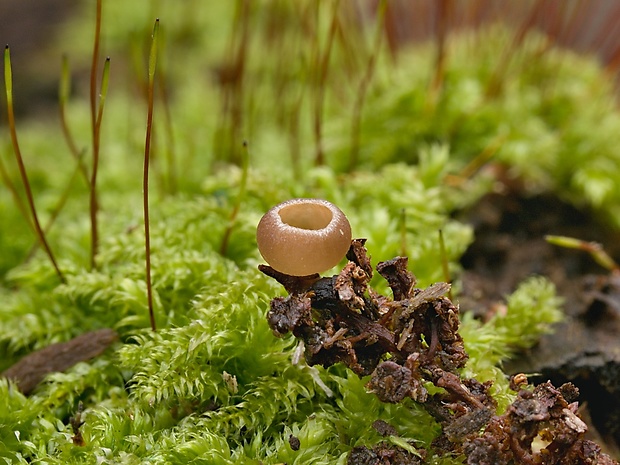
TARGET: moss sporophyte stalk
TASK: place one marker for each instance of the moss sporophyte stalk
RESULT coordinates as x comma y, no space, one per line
411,348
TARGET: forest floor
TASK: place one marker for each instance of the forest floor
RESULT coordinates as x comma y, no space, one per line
509,246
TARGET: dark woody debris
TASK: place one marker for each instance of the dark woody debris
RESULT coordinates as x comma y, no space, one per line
384,428
384,454
540,427
410,341
28,372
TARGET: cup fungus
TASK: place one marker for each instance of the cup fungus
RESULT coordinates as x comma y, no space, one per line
301,237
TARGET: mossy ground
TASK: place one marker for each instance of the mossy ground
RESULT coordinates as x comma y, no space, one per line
213,385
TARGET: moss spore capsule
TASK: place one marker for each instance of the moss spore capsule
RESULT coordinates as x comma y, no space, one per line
301,237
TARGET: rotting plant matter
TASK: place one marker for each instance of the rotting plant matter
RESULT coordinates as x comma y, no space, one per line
412,341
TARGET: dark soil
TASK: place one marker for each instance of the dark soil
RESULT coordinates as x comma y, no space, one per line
585,348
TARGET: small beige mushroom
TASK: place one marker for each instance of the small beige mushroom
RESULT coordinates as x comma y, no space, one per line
301,237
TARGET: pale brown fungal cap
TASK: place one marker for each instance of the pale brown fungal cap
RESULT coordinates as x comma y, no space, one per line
300,237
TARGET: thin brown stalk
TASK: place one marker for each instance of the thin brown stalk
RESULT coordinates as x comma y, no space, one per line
63,97
363,86
94,67
8,81
94,203
170,149
241,195
444,12
478,162
18,201
231,79
145,182
322,62
495,83
574,18
57,209
596,251
93,116
293,133
238,88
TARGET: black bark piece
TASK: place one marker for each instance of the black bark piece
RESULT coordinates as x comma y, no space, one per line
395,272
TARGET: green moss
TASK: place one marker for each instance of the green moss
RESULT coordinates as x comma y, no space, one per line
213,385
530,312
155,391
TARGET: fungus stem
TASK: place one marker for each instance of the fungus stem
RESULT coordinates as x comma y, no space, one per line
145,185
8,81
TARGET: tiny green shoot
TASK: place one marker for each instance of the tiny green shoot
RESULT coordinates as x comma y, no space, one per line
596,250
